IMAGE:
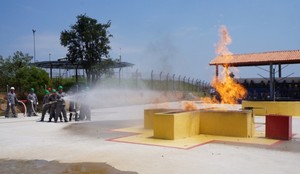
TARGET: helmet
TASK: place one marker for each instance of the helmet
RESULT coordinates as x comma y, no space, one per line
12,88
53,90
60,87
32,89
47,91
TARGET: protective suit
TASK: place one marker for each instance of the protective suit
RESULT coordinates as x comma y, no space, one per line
11,102
60,105
32,103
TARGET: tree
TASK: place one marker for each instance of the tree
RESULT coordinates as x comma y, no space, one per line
32,77
16,71
88,43
11,65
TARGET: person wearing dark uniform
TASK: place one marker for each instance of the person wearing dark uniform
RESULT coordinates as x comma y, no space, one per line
52,101
46,104
60,105
32,103
11,98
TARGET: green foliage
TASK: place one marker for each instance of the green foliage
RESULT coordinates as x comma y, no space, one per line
87,42
10,66
32,77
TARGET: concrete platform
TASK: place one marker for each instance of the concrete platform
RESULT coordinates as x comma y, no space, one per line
25,138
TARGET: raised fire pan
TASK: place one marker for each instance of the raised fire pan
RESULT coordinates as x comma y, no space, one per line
234,123
149,114
290,108
177,125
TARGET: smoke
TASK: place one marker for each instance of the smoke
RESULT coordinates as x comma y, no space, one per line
161,54
225,40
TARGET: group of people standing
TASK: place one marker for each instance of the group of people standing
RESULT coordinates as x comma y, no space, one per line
54,104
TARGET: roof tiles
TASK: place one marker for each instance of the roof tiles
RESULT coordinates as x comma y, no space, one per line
255,59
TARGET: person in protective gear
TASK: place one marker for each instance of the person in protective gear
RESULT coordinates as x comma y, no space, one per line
11,101
85,109
52,102
46,104
73,105
32,103
60,105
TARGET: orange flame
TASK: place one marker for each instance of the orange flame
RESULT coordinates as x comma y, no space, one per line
189,106
229,90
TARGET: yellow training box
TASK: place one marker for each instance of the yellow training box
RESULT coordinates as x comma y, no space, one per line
176,125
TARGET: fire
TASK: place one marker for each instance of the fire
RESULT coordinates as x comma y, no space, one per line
229,90
189,106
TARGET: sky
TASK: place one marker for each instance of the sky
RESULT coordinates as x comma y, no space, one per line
173,36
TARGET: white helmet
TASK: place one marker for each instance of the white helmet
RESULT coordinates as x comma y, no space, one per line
12,88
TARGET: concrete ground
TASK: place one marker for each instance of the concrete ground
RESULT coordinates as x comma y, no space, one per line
25,138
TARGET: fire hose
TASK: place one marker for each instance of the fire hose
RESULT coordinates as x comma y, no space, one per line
49,103
25,108
32,107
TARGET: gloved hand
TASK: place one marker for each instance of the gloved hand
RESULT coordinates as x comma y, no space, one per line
31,101
9,104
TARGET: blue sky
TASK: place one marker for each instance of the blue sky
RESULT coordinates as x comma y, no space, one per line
173,36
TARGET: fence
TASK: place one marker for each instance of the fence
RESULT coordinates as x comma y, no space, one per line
155,81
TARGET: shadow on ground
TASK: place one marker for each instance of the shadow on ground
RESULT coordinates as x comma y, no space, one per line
43,167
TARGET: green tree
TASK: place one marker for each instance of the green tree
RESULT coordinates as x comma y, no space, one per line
32,77
88,43
10,66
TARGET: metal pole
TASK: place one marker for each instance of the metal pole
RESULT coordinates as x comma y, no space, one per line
120,77
271,82
33,32
152,79
279,70
173,81
167,81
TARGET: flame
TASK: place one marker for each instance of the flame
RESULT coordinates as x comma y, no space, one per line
208,100
229,90
189,106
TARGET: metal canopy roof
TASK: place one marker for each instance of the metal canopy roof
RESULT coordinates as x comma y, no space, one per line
68,65
258,59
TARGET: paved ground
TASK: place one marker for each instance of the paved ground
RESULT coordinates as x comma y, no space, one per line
24,138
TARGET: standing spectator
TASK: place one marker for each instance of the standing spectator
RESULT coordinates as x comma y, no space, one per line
33,102
11,98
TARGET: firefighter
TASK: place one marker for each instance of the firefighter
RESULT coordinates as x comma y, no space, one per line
60,105
52,102
46,104
11,101
33,102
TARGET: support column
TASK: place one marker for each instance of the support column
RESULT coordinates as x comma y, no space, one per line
51,71
279,70
217,71
271,81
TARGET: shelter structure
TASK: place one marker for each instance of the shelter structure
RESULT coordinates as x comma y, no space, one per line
63,63
270,59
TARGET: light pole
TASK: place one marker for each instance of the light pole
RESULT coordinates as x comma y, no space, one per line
33,32
49,56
